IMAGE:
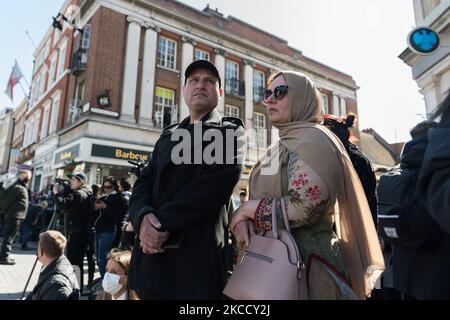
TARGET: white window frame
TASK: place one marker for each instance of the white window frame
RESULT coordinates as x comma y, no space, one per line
231,86
56,105
37,119
159,106
25,134
52,75
342,107
45,120
162,57
62,58
231,111
34,90
56,35
81,83
324,100
42,84
47,48
200,54
259,124
258,96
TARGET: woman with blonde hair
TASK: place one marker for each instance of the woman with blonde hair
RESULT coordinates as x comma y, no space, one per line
315,180
115,281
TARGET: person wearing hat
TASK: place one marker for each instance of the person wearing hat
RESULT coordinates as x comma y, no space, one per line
14,206
178,205
78,204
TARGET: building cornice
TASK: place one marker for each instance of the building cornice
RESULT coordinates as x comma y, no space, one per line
272,57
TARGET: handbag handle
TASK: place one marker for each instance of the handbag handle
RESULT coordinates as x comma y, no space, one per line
285,216
274,216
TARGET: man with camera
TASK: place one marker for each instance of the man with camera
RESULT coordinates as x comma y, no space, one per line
14,206
78,204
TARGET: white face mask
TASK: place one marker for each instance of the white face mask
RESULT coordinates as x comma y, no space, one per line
111,283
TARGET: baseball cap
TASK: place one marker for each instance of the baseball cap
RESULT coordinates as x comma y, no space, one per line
202,64
80,176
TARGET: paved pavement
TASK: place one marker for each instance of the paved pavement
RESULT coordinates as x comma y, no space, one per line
13,278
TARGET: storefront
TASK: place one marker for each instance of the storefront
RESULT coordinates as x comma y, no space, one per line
101,158
43,173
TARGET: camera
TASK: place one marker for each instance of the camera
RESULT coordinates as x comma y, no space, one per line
62,186
138,167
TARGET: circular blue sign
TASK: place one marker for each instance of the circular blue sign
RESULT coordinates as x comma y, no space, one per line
423,40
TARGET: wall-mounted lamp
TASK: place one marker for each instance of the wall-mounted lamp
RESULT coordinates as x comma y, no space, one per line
104,100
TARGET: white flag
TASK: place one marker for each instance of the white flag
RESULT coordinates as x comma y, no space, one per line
14,79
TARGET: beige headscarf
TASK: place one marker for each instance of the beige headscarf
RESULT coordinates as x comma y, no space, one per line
326,155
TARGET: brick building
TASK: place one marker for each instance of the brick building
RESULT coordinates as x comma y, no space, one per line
122,77
6,132
128,68
48,99
19,117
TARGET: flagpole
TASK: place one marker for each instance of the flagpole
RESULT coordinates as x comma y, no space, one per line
35,48
24,92
23,76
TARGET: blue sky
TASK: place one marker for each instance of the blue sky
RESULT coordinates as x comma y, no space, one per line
362,38
16,17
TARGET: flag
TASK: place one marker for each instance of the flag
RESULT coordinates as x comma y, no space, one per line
14,79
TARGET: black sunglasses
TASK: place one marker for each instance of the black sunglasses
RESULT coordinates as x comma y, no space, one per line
278,93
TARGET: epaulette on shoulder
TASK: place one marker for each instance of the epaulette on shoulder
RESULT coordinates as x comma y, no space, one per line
170,128
232,122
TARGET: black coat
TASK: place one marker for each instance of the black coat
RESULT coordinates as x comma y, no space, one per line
15,201
79,206
365,173
424,274
56,282
112,215
189,201
434,181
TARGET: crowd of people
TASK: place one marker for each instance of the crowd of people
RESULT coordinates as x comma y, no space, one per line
176,234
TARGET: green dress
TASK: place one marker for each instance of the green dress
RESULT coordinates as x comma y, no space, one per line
311,218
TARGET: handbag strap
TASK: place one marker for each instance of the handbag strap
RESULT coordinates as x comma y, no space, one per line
285,216
274,218
284,188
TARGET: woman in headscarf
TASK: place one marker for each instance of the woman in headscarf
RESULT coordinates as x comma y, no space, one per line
311,170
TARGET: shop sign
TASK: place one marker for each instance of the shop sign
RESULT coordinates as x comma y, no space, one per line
67,154
119,153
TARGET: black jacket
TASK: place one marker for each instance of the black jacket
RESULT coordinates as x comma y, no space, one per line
112,215
56,282
79,206
365,173
189,201
434,182
424,274
15,201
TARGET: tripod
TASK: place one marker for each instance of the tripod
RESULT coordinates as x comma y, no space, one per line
50,226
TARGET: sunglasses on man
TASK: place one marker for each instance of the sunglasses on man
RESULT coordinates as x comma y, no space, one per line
278,93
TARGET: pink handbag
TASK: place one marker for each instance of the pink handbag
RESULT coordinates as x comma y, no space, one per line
271,267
